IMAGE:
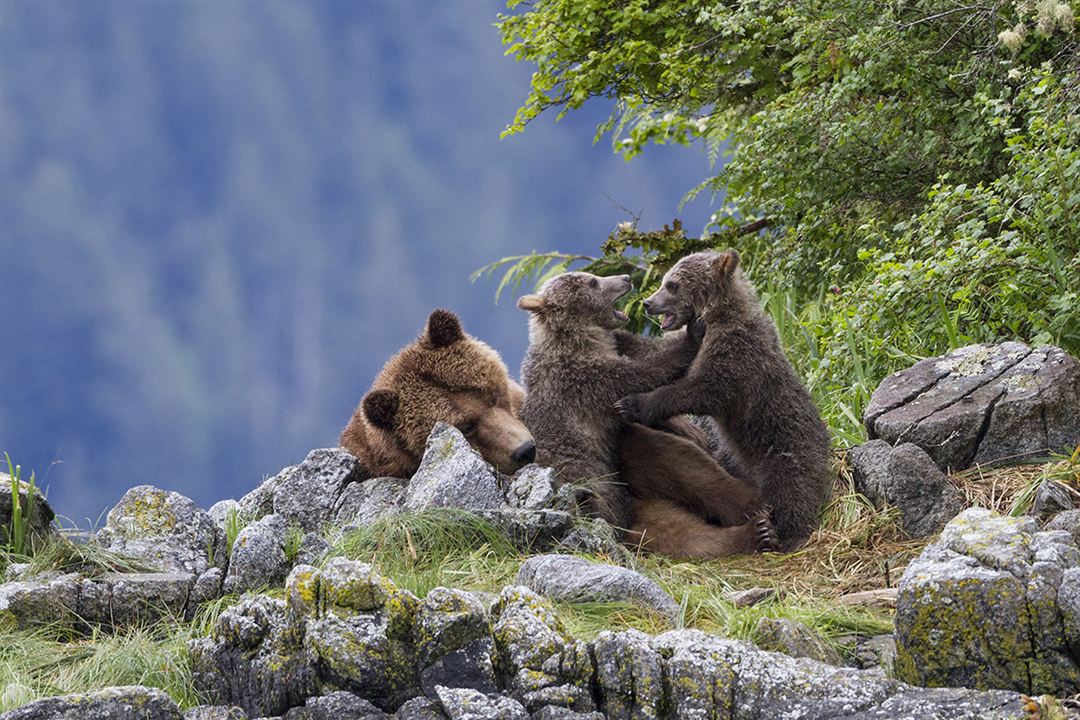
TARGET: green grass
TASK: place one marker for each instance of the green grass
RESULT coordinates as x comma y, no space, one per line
19,534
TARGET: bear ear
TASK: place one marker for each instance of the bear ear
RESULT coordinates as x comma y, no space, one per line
444,328
380,407
531,303
727,262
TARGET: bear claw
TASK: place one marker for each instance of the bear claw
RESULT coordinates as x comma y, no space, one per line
765,536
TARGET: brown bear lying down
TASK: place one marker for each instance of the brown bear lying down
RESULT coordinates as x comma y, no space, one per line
444,375
574,373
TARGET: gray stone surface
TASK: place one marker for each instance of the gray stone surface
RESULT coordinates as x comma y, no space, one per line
542,663
258,556
362,503
41,513
1051,497
219,512
554,712
452,474
530,530
421,708
594,536
165,530
981,404
260,501
453,642
468,704
751,596
532,488
114,703
215,712
878,652
336,706
986,606
1069,521
308,495
795,639
906,478
629,676
566,578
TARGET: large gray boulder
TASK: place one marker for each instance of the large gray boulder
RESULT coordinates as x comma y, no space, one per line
363,503
164,530
336,706
468,704
114,703
258,556
566,578
38,520
532,488
987,606
308,495
454,646
906,478
452,474
215,712
795,639
981,403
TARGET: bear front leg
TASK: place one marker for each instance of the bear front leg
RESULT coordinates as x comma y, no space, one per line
654,407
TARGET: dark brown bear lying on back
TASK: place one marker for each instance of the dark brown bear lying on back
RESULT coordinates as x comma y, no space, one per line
742,378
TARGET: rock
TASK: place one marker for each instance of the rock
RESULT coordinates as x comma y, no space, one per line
453,642
336,706
362,503
906,478
16,571
308,495
594,536
114,703
452,474
981,403
467,704
795,639
532,488
1051,497
542,663
260,502
751,596
258,556
216,712
165,530
554,712
41,602
1069,521
878,652
566,578
220,511
629,676
421,708
986,606
39,521
208,586
529,530
884,598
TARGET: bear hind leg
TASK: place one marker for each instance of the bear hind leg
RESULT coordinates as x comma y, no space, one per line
666,528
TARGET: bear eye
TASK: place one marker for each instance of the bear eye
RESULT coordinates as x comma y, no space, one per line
672,286
594,283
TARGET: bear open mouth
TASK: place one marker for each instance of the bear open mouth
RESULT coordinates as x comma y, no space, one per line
620,315
669,321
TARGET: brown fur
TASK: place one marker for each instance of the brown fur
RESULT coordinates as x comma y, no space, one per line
742,379
444,375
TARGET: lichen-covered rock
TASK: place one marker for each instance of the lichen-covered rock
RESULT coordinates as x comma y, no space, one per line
554,712
629,676
980,608
258,556
115,703
566,578
208,586
1069,521
795,639
165,530
454,646
1051,498
39,520
260,502
981,403
906,478
594,536
336,706
876,653
216,712
532,488
420,708
38,602
539,661
452,474
468,704
220,511
363,503
530,530
308,494
255,659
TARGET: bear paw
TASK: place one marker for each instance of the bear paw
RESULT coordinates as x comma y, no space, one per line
764,531
632,408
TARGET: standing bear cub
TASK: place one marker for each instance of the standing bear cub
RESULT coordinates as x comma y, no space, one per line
444,375
742,378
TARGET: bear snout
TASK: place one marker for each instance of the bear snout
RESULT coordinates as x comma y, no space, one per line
525,454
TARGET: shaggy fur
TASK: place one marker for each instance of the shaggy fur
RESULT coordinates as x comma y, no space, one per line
574,374
742,378
444,375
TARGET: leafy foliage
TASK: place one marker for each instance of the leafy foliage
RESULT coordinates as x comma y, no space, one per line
902,178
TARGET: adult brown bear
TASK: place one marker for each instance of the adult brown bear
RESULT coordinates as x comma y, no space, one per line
444,375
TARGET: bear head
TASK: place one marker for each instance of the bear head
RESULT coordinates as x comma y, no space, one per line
577,301
694,287
444,375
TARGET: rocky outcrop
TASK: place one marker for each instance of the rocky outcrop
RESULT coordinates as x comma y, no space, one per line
258,556
991,604
452,474
566,578
795,639
116,703
164,530
38,520
906,478
981,403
